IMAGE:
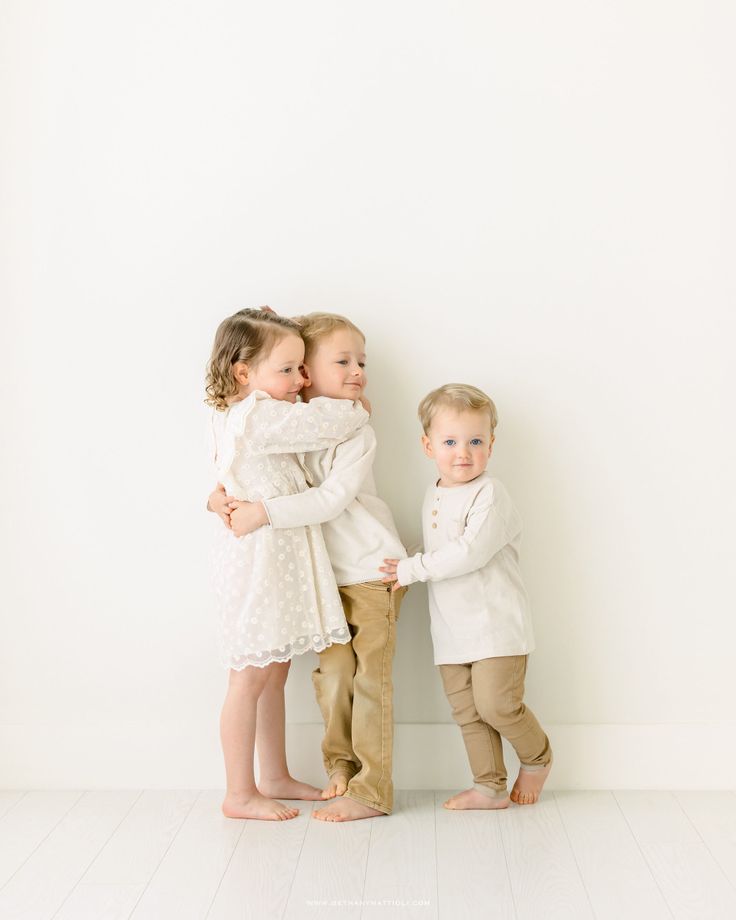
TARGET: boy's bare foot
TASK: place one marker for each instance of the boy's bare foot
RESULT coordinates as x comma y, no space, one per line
345,809
528,785
471,798
257,806
289,788
336,785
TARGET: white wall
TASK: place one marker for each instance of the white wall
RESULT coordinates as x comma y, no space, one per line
537,198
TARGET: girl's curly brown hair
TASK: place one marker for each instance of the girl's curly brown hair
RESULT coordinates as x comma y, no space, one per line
246,336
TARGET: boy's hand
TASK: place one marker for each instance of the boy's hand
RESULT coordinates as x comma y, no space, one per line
245,517
219,502
389,567
366,404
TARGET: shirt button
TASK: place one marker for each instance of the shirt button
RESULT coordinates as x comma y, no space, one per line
434,525
435,511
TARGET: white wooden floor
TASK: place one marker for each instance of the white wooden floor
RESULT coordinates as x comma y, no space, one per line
170,854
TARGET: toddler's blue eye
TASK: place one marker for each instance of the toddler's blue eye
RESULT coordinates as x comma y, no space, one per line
476,441
449,442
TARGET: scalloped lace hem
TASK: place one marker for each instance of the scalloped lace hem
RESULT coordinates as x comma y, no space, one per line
286,652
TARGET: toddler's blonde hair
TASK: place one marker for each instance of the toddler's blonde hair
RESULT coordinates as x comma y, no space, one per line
247,336
317,326
458,396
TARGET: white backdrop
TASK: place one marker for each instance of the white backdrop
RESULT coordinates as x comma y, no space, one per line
536,198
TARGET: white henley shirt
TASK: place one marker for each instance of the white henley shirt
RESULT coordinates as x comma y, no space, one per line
477,602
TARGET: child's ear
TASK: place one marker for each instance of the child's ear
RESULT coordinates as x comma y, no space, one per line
490,445
427,445
304,371
240,372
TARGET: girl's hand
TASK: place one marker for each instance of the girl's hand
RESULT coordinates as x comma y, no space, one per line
245,517
219,502
389,567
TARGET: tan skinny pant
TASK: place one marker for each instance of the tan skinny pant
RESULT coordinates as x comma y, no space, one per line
354,689
487,703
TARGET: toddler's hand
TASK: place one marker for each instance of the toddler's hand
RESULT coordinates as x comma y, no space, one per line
389,567
245,517
219,502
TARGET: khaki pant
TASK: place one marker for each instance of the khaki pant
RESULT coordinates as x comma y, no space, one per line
487,702
354,690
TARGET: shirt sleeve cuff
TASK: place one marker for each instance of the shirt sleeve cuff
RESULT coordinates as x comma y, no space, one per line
404,574
268,513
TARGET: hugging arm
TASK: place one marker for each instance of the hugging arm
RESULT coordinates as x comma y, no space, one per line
351,465
277,427
485,533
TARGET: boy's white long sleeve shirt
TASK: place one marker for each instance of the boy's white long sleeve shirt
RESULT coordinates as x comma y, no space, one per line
477,601
357,526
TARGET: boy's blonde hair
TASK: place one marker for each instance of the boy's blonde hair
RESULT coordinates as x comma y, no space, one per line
247,336
317,326
458,396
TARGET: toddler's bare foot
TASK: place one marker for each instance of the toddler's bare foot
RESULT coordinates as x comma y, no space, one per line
289,788
528,785
336,785
257,806
471,798
345,809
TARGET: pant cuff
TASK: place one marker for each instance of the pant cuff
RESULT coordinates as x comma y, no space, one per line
343,767
491,791
534,767
379,806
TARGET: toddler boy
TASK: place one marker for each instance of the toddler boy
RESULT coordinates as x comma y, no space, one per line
480,622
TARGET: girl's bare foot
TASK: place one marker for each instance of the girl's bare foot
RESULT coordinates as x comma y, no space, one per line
345,809
289,788
471,798
336,785
257,806
528,785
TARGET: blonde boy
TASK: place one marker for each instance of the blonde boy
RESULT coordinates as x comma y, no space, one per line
481,627
353,682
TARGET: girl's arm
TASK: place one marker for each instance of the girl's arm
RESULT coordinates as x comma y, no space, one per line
485,533
273,426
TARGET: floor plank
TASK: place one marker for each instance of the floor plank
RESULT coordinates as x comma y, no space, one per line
713,815
117,878
39,887
545,879
188,877
161,855
257,880
472,876
401,874
614,871
330,875
690,879
9,798
26,824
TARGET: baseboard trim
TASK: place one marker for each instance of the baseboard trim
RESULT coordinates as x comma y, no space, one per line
426,756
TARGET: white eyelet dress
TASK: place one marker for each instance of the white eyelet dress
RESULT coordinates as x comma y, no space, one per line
275,589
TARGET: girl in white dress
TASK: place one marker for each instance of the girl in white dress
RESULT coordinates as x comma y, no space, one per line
275,590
